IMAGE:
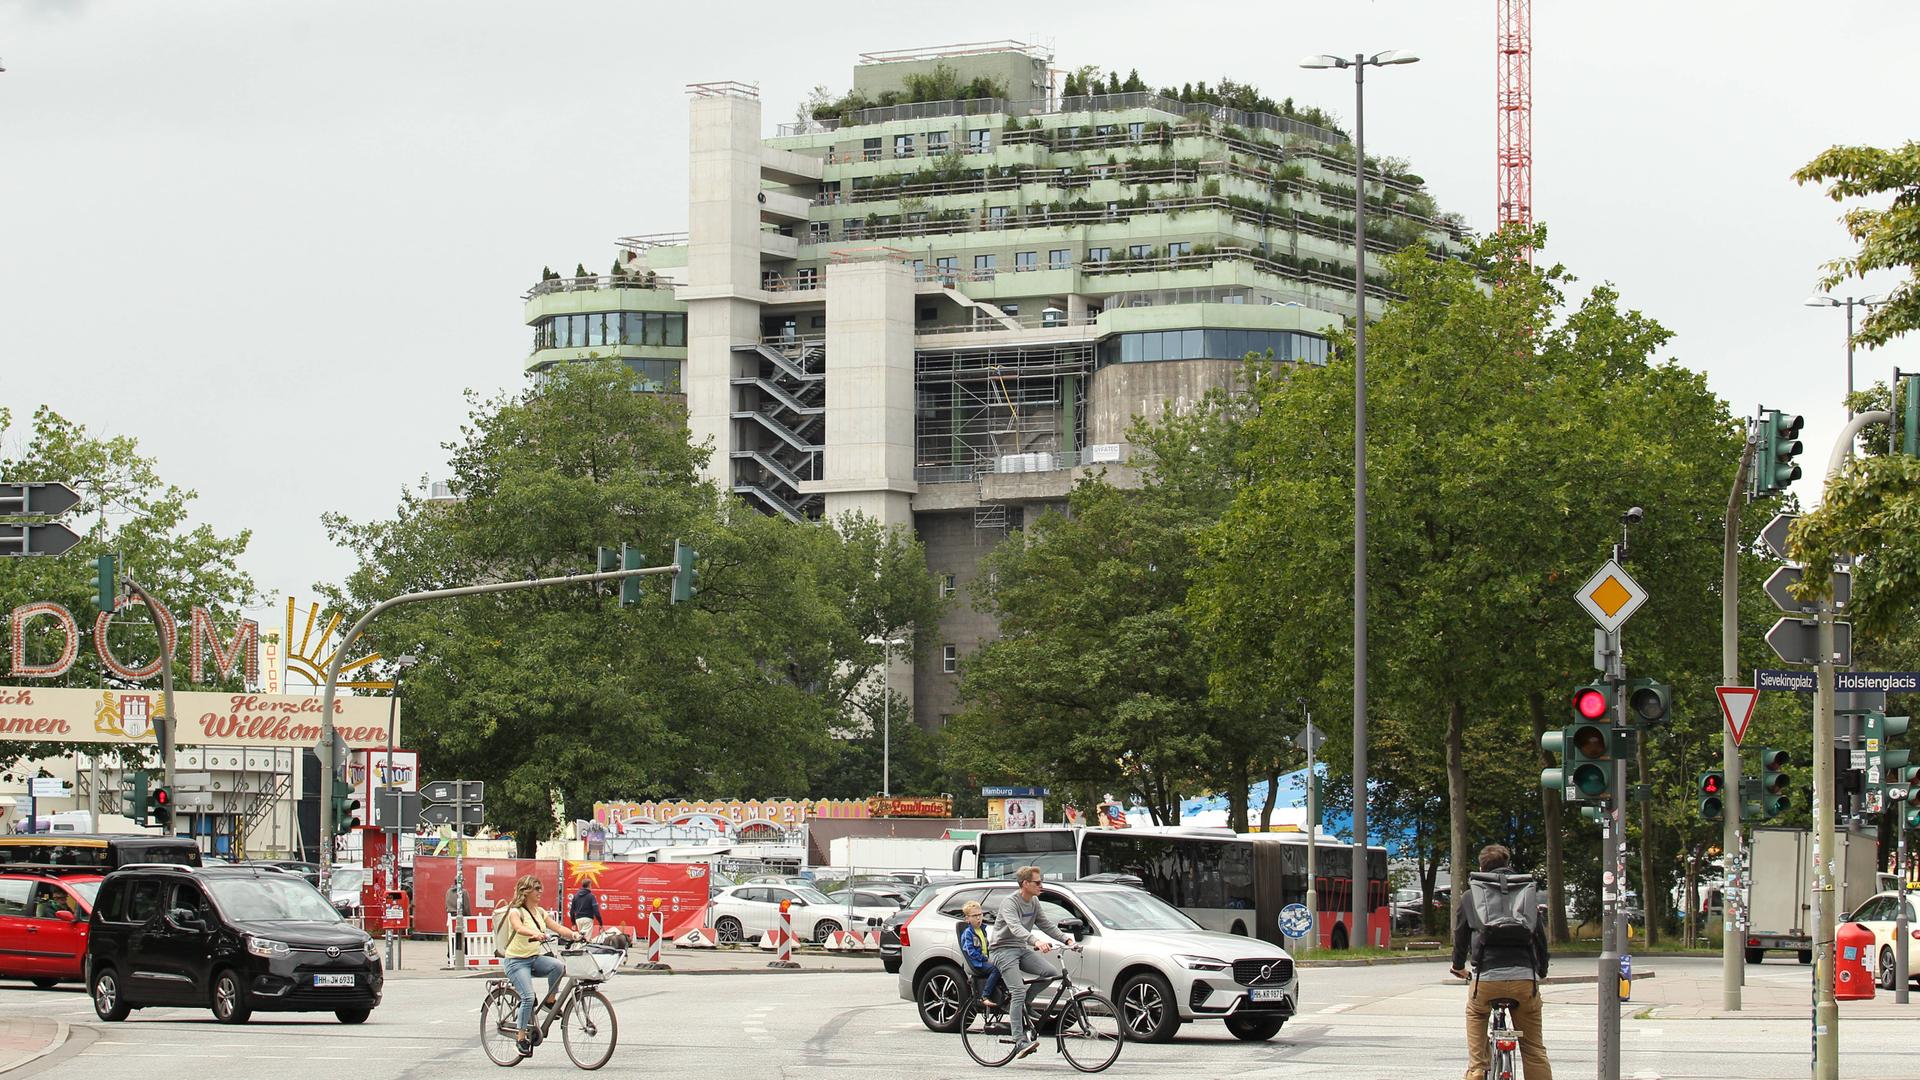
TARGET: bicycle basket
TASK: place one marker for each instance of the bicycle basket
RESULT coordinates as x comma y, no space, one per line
594,964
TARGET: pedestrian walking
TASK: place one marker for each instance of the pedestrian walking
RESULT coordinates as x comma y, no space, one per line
585,905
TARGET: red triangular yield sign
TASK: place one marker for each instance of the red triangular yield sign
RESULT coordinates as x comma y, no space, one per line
1736,704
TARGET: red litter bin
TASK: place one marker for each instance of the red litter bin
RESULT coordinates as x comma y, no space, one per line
1853,963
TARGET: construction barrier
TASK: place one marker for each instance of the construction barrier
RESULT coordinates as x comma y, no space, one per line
786,938
654,934
476,934
697,938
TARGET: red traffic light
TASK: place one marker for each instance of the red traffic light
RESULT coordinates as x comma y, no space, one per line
1710,784
1590,703
161,797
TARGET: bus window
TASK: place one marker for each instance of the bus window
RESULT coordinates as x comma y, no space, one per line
1236,876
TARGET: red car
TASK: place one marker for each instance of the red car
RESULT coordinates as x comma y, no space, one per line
43,925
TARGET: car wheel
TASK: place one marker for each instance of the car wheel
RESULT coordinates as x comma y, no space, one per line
1805,956
230,1004
939,997
1255,1028
1886,969
1339,937
891,964
46,984
1148,1008
1754,956
109,1002
352,1016
727,931
1239,928
822,928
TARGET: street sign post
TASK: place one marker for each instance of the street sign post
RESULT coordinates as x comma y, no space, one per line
1309,739
1797,641
1774,534
396,809
1789,574
1736,705
1611,596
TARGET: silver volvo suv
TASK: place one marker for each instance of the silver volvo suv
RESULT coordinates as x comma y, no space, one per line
1159,966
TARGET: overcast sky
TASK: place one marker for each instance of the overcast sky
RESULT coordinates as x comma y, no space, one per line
275,242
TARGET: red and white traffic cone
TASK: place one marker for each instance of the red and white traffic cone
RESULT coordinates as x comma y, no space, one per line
786,938
652,962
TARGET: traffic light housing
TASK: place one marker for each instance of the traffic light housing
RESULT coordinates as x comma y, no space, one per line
630,586
1588,745
160,807
1775,784
606,560
1779,445
1649,701
346,810
686,575
133,795
1554,777
106,585
1713,786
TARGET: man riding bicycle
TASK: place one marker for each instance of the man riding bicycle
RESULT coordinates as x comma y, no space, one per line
1022,937
1501,924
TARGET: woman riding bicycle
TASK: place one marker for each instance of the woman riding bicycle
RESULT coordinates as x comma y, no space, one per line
524,961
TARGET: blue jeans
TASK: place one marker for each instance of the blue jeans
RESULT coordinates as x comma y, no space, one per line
521,971
988,979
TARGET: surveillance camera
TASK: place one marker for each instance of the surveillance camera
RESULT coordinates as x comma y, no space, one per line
1633,515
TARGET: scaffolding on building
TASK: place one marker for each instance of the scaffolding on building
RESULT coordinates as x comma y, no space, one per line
995,408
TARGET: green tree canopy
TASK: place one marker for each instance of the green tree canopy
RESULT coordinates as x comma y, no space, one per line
1889,238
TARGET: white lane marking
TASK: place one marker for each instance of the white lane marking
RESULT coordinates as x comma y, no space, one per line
1336,1008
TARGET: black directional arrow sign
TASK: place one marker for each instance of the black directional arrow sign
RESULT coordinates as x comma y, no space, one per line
1796,641
51,538
1785,576
36,500
446,813
1775,534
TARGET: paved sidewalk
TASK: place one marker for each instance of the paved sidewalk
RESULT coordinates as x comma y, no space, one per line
426,959
28,1038
1772,992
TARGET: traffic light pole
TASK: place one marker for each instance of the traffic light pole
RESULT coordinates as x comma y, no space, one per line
1900,968
1732,960
1613,828
166,727
326,747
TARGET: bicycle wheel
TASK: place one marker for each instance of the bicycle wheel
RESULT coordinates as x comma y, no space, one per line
1090,1032
589,1029
986,1034
499,1021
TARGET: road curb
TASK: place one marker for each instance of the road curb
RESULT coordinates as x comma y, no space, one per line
58,1040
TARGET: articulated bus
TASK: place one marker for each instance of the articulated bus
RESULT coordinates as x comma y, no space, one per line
1231,883
97,852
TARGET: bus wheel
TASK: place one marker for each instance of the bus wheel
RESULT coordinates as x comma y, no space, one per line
1339,937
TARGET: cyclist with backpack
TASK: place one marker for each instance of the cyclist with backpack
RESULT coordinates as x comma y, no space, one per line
519,928
1502,926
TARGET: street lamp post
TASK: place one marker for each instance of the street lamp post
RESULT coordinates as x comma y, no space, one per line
1359,63
886,714
1849,302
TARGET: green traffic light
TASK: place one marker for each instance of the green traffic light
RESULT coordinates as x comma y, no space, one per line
630,586
106,584
686,574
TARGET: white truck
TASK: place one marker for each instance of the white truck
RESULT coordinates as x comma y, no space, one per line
1780,889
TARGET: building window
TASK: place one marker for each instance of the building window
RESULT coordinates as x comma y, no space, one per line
1136,131
769,279
936,142
1140,251
854,228
1099,254
950,659
946,586
902,146
979,140
1103,129
1178,248
817,231
984,262
945,266
807,277
870,149
996,216
919,269
1010,309
1026,260
818,322
1059,258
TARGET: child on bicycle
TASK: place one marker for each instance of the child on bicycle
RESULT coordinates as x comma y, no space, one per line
973,943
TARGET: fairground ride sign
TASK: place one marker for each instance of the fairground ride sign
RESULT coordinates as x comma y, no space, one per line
126,717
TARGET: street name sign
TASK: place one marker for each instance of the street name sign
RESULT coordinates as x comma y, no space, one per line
1736,704
47,787
1611,596
1796,641
1774,534
1784,576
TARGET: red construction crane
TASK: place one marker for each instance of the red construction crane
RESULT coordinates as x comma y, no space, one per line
1513,111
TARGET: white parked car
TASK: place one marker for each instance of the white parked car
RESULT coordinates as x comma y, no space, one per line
1878,915
1160,967
744,912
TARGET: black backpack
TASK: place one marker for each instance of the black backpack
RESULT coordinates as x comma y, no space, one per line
1501,909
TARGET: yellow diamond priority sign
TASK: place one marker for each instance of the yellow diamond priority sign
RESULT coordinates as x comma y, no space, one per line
1611,597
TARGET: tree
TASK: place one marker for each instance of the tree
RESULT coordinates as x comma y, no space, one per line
559,697
126,507
1889,239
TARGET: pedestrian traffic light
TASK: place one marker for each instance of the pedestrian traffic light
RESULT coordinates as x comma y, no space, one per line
686,575
1649,701
605,561
106,573
133,795
630,586
1712,795
1774,782
1779,445
160,807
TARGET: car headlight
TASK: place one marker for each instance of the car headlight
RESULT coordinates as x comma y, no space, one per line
372,948
1201,963
260,946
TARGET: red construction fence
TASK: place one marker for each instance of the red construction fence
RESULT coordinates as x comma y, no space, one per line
624,890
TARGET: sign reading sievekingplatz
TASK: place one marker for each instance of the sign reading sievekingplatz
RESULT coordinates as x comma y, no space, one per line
1803,682
126,717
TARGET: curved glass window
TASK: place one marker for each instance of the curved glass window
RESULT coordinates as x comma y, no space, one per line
666,329
1154,345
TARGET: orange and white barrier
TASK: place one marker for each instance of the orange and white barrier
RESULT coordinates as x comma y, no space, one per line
697,938
838,941
654,934
476,933
785,933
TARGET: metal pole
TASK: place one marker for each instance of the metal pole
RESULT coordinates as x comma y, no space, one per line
393,827
1358,875
1849,357
325,749
1900,968
1613,821
886,719
1732,956
165,729
1313,841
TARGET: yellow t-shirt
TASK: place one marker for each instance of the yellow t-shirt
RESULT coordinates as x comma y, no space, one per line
521,945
